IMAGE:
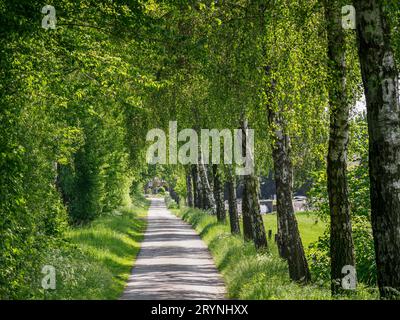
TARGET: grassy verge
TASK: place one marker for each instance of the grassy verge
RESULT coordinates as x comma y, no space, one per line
310,227
251,275
97,259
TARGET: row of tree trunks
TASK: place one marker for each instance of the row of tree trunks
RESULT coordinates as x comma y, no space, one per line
194,195
219,195
195,198
380,79
253,228
341,240
201,192
233,211
211,198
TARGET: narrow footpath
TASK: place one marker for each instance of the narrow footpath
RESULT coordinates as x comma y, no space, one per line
173,263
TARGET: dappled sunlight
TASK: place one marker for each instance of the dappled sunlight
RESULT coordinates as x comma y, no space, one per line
252,275
173,262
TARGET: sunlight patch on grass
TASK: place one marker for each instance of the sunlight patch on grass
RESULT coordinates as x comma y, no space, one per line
310,227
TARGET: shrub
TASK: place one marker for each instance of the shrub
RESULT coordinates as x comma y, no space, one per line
362,231
161,190
170,203
318,253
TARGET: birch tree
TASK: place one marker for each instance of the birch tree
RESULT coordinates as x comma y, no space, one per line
381,86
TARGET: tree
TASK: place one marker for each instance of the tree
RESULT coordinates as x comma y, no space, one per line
283,71
189,188
232,203
289,241
207,192
197,197
250,202
341,241
218,194
380,79
64,157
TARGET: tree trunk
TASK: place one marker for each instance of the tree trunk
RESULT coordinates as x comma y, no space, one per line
207,191
246,215
200,188
289,241
189,189
218,195
258,229
251,200
210,176
246,218
380,78
341,240
204,200
196,186
59,169
233,212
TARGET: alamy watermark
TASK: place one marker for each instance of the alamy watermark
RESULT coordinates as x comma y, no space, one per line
349,281
194,151
348,17
49,20
49,280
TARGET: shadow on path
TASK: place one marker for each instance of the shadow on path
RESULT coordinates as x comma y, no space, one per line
173,262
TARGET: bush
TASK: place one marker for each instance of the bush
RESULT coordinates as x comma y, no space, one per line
161,190
359,199
78,276
318,253
170,203
95,260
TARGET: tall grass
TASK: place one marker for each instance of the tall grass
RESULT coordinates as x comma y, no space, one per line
96,260
251,275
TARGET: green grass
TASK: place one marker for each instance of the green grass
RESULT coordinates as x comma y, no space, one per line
310,226
98,258
251,275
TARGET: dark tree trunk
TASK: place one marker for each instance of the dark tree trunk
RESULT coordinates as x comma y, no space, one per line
233,211
196,187
258,229
246,218
219,195
380,78
200,188
208,196
288,239
59,183
341,240
251,199
189,188
210,176
174,195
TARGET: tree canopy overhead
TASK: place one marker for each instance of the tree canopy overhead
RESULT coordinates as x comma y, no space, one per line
77,101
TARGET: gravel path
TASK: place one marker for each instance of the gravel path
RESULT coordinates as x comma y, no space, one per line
173,263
